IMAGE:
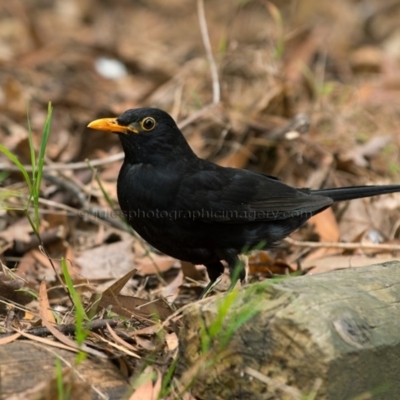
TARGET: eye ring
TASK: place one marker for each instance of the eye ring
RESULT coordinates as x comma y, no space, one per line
148,124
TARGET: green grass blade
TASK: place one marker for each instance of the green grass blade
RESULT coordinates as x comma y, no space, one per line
31,146
74,294
80,313
43,143
37,174
15,160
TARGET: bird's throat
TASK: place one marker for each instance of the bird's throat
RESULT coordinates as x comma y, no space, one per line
155,152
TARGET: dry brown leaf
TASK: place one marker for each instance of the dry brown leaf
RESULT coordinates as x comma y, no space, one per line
43,301
65,340
147,331
44,306
325,225
149,263
171,291
191,271
357,219
172,341
117,286
319,72
145,343
34,265
54,220
44,260
128,307
147,390
15,132
261,263
20,230
327,228
154,264
107,261
366,58
26,264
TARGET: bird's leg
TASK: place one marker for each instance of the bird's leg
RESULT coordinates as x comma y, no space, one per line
214,270
236,270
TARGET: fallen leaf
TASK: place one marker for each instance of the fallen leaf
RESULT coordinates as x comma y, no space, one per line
107,261
327,228
172,341
20,230
129,306
191,271
170,292
117,286
147,389
260,262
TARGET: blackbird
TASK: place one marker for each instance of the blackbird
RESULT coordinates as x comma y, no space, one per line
197,211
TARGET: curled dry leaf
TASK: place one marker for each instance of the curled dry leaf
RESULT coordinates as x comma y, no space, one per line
171,291
129,306
191,271
149,386
117,286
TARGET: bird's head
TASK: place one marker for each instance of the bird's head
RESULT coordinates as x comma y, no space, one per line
146,134
137,121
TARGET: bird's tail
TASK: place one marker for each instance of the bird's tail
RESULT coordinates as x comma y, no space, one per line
356,192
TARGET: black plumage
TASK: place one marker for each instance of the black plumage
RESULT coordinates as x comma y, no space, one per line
197,211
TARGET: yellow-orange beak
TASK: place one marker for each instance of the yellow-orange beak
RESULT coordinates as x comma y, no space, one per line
111,125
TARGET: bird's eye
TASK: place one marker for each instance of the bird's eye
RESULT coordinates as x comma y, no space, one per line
148,124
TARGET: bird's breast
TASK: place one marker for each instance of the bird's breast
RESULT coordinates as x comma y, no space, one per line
143,190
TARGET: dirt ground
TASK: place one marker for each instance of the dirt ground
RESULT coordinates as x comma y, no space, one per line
305,90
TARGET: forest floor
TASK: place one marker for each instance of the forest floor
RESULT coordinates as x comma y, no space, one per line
307,91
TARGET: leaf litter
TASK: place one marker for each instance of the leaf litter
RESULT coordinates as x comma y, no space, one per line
274,64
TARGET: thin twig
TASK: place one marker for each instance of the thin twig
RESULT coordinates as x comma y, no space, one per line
346,246
69,329
207,45
70,166
196,115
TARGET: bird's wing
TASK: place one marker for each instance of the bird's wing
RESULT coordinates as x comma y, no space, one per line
231,195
